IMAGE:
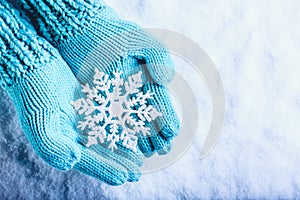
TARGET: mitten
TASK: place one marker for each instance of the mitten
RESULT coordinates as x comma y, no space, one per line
89,34
41,86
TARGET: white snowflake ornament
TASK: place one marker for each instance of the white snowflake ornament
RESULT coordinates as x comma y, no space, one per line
115,110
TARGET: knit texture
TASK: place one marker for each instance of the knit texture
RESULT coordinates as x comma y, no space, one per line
41,86
89,34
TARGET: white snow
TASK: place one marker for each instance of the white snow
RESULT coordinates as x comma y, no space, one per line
255,46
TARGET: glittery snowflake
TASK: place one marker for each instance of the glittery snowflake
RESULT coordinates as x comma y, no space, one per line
115,110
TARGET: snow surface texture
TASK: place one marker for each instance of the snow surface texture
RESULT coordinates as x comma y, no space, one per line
255,45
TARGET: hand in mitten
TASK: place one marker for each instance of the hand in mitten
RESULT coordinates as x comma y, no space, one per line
41,86
89,34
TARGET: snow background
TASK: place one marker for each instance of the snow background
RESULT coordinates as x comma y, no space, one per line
255,45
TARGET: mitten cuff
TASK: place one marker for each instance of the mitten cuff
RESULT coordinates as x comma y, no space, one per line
58,20
20,50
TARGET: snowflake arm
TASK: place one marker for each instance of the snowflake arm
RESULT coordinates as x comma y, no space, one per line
115,110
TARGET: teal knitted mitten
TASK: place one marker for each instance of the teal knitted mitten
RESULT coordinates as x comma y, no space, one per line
89,34
41,86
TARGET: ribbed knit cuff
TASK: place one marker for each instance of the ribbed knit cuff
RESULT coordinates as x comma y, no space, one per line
58,20
21,51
